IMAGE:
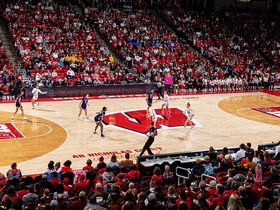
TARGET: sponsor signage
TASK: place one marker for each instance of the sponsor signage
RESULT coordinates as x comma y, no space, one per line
72,91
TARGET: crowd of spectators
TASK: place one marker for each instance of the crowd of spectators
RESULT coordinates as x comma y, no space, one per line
3,59
259,30
8,72
150,48
54,43
58,48
126,4
142,41
212,38
241,180
8,75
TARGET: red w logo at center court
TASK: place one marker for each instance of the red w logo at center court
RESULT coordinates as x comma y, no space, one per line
136,120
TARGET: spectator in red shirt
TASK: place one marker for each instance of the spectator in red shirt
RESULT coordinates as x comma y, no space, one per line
66,167
81,185
244,160
234,190
121,183
228,161
54,181
22,191
257,189
134,173
88,167
267,157
183,197
12,194
212,188
122,172
220,198
81,203
67,187
196,74
98,188
157,177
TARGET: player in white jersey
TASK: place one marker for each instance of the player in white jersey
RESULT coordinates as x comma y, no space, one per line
217,84
36,92
152,113
189,112
205,83
227,83
222,83
240,83
230,82
235,83
165,103
212,85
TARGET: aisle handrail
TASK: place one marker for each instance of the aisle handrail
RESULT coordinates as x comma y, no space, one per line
182,176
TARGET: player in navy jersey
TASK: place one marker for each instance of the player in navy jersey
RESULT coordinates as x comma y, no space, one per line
83,105
19,106
149,97
151,134
98,119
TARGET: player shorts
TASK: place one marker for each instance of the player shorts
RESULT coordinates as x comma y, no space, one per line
154,118
149,101
18,105
35,97
97,120
83,106
165,103
190,117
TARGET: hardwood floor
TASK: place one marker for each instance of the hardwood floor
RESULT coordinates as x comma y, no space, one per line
52,131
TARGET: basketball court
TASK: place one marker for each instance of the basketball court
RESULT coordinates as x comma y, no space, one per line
52,131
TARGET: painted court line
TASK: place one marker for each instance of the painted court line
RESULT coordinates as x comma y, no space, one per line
18,130
255,117
118,103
